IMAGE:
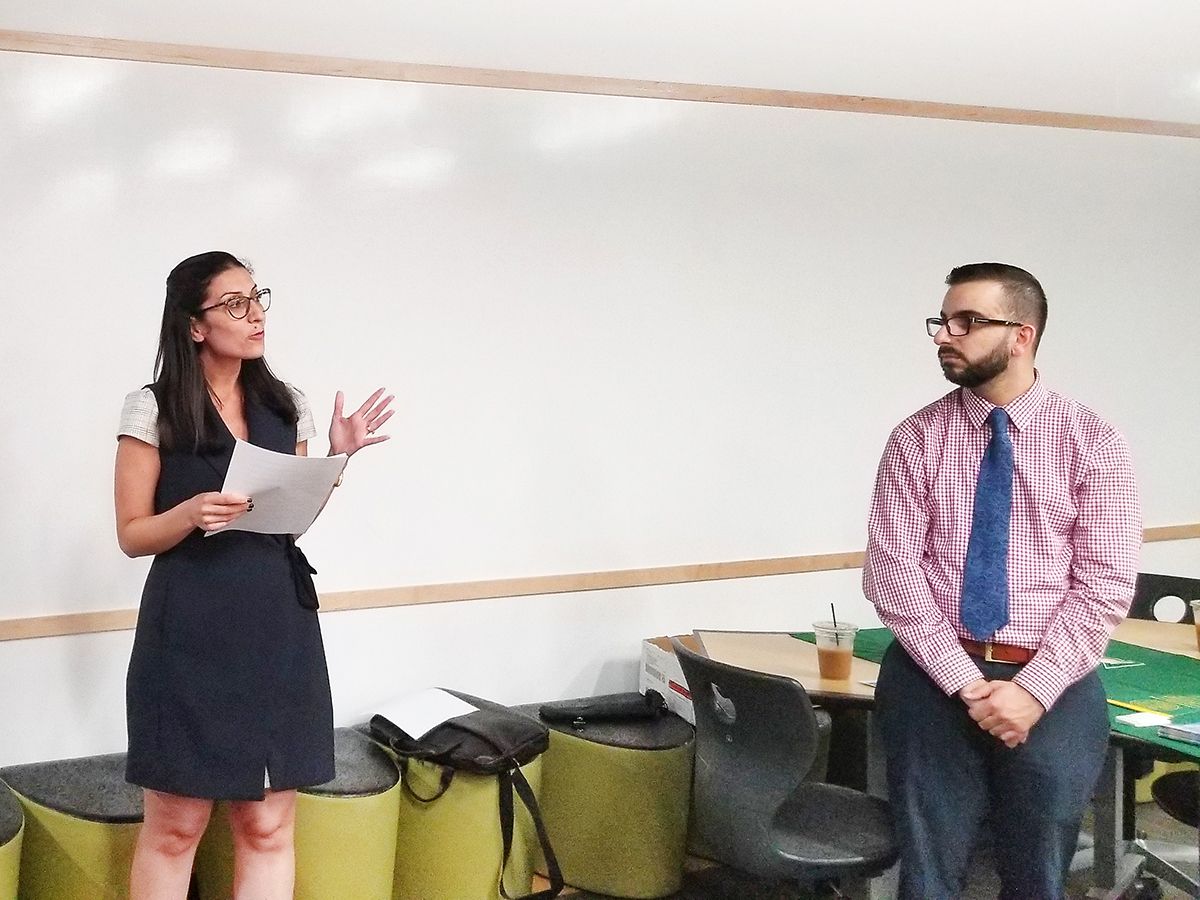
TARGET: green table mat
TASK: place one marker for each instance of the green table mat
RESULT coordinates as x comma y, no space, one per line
1163,682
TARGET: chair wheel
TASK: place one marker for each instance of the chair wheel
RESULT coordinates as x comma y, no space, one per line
1146,887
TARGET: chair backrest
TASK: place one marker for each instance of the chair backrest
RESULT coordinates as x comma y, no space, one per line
756,737
1151,588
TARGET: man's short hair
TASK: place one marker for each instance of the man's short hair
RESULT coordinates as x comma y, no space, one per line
1026,298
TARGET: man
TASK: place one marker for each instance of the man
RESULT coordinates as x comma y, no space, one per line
1003,543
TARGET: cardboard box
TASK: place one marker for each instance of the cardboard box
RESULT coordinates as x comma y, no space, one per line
660,672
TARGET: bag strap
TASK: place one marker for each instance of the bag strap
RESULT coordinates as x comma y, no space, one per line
443,786
516,779
488,738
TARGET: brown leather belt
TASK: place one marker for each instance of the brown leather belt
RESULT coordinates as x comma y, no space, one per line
1004,653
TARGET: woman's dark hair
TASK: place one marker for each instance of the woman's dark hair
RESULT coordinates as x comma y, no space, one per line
187,418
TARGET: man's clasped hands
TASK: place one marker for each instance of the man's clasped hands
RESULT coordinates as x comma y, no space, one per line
1003,709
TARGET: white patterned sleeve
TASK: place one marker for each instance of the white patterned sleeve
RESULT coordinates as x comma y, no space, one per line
306,429
139,417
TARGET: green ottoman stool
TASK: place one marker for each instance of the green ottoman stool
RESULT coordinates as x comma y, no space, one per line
81,823
615,798
451,848
345,830
12,827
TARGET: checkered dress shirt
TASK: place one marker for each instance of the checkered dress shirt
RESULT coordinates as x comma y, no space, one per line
1075,536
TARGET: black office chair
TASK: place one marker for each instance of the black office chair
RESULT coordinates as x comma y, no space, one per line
1151,589
1177,792
1178,795
756,736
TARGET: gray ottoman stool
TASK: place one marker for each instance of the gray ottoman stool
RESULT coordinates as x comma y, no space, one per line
81,823
12,828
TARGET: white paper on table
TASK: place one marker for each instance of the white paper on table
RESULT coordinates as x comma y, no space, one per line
1111,662
288,491
419,712
1144,719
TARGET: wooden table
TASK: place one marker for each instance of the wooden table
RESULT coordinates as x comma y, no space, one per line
778,653
1170,637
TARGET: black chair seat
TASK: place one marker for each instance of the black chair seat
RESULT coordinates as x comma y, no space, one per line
833,831
1178,793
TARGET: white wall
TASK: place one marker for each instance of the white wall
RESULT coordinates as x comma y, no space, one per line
1106,57
624,333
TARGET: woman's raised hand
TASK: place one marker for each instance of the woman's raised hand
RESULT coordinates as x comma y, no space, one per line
213,510
349,434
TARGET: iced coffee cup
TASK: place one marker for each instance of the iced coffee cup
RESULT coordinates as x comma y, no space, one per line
835,647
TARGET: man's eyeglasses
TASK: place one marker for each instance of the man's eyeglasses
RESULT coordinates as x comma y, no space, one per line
957,326
238,305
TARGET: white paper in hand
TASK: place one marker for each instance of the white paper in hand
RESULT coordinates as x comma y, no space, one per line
288,491
417,713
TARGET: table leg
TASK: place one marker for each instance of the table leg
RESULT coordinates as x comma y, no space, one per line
887,885
1107,819
1114,866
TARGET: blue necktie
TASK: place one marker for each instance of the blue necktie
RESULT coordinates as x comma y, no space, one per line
985,573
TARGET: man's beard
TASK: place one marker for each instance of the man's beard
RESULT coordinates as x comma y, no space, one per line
972,375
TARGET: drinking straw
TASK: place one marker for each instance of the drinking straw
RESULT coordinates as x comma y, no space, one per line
837,638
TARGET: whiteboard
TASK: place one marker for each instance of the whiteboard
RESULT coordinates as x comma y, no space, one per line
623,332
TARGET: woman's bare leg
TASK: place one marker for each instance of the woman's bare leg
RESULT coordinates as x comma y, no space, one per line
166,846
264,859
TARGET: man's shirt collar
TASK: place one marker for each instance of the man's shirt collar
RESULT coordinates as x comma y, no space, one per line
1021,410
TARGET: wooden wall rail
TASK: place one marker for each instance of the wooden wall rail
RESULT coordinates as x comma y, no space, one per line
381,70
412,595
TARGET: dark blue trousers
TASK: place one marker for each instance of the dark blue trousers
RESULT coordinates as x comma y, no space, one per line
947,777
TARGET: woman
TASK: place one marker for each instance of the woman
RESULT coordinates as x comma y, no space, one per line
228,694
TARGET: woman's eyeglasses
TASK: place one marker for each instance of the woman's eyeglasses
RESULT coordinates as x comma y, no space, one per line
238,305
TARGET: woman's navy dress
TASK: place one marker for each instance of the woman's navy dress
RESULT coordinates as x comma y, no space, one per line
227,681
